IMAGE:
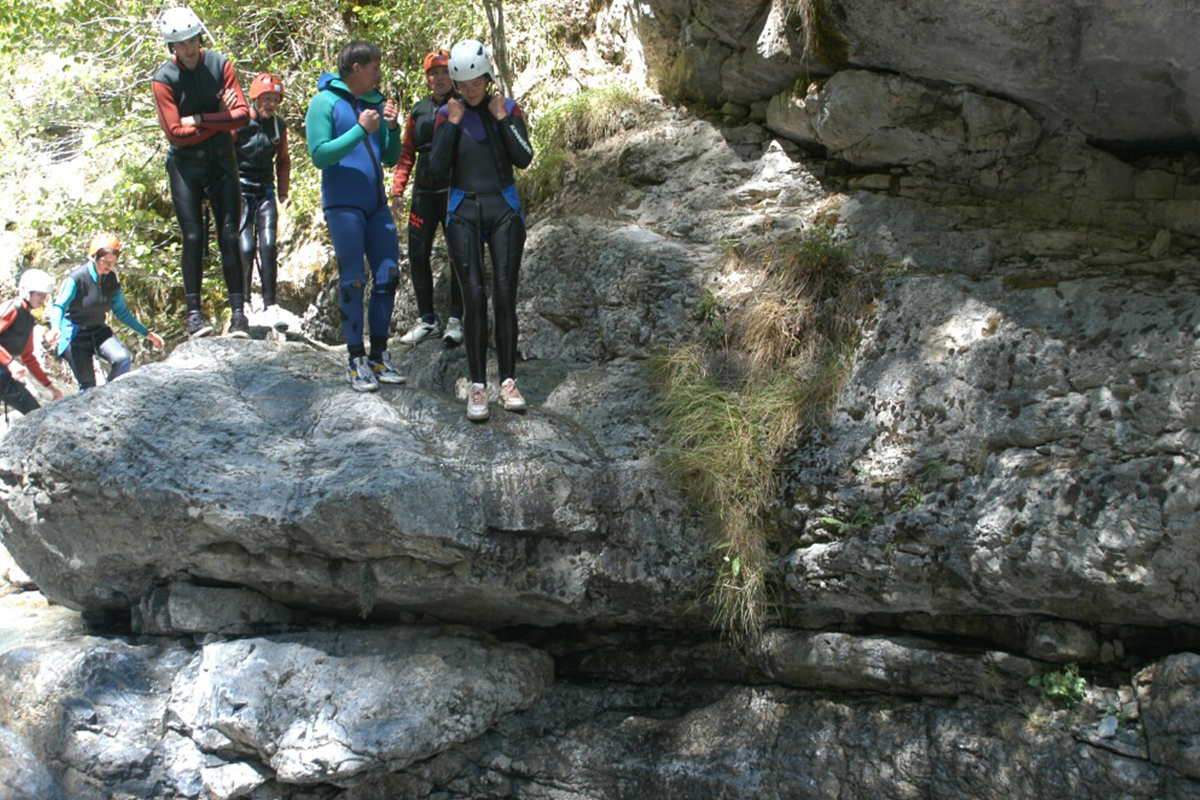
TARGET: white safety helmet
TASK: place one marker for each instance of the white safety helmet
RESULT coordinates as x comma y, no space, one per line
35,280
468,60
179,24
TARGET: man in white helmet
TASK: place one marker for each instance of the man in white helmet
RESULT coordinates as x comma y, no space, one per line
199,101
478,139
17,322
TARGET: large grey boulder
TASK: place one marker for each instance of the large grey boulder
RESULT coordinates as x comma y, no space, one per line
323,707
253,464
1120,70
872,120
88,717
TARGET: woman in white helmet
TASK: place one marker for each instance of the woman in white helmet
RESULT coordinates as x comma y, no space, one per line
199,101
17,322
479,138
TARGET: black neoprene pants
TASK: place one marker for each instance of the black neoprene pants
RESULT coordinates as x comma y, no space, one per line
477,218
14,395
427,212
260,221
196,173
98,341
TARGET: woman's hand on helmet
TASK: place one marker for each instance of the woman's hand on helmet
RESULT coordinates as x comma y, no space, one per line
454,110
369,119
498,108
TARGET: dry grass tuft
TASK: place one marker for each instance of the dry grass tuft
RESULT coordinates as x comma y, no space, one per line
726,435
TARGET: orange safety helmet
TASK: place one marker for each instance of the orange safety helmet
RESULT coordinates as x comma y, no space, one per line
104,243
265,83
437,58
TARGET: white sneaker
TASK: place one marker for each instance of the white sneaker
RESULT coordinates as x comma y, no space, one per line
419,332
360,376
477,402
454,331
510,396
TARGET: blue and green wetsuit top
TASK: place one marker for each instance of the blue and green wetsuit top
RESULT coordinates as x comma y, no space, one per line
84,301
351,160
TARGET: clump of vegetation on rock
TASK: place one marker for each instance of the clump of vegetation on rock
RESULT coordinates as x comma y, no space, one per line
571,124
733,405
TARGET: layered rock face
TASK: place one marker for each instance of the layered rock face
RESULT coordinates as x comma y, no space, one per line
1121,72
1005,489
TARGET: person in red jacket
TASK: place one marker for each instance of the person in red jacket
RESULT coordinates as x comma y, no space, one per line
16,342
428,208
199,101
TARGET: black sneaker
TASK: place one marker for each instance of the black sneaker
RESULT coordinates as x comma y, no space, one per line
197,325
239,326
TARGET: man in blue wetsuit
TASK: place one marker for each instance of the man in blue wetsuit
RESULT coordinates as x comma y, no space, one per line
352,133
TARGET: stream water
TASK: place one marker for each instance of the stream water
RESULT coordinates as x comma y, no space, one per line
27,618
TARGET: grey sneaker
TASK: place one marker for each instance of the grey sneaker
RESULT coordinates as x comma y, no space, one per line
477,403
454,331
419,332
510,396
360,376
197,325
385,371
239,326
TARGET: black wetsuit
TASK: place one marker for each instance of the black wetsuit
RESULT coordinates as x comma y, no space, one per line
478,155
201,163
427,210
16,328
257,146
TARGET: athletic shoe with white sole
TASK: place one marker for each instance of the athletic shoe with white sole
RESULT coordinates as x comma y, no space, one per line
198,325
385,371
510,396
454,331
360,376
419,332
477,403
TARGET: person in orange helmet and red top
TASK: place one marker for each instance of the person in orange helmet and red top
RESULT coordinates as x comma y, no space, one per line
199,101
79,316
428,209
17,322
262,151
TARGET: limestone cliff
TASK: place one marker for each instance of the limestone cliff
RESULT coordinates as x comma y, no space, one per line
1005,492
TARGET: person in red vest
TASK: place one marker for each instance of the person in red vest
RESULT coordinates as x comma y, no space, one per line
428,208
17,322
199,101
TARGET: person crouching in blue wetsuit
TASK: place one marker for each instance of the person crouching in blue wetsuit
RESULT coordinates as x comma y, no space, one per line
80,312
352,133
477,141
